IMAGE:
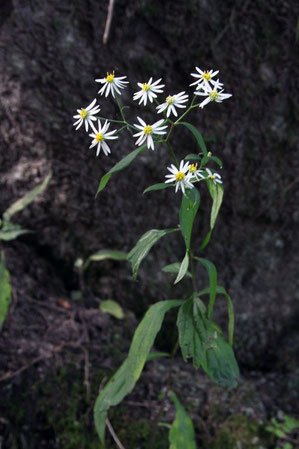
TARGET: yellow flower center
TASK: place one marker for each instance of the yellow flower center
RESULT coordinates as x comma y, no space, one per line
193,168
146,87
213,94
99,137
83,113
180,176
170,99
212,176
148,130
206,76
110,77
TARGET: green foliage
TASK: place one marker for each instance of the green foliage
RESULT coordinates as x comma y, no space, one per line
9,230
181,434
113,308
202,341
105,254
188,211
121,165
216,192
174,268
127,375
160,186
5,292
231,319
143,246
212,272
183,268
283,429
199,139
26,199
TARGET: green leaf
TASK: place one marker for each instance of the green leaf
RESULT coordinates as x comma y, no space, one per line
11,231
191,338
193,157
221,367
5,292
105,254
199,139
290,424
212,272
174,268
188,211
181,434
27,199
216,192
202,340
121,165
143,246
183,268
206,240
231,318
217,160
127,375
113,308
160,186
156,354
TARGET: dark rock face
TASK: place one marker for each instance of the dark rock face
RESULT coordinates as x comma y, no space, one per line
51,52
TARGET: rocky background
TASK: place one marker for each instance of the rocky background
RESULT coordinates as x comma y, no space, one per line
51,52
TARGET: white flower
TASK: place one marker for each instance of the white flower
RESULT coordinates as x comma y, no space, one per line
212,94
100,135
215,177
195,172
112,84
86,115
203,78
172,102
148,91
147,131
180,176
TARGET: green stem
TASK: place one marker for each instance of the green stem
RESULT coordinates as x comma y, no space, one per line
122,114
172,154
193,270
112,121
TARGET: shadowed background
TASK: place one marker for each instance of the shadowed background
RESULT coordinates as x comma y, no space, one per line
51,53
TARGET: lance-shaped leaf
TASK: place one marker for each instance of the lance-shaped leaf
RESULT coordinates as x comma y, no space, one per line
221,366
199,139
202,340
231,319
212,272
105,254
181,434
183,268
121,165
143,246
191,337
188,211
113,308
174,268
26,199
216,192
127,375
160,186
11,231
5,292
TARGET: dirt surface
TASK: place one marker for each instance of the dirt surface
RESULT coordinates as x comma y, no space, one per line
56,347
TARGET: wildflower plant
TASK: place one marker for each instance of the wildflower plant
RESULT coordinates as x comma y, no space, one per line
199,337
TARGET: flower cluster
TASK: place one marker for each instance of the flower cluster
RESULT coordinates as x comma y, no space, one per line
184,175
187,174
